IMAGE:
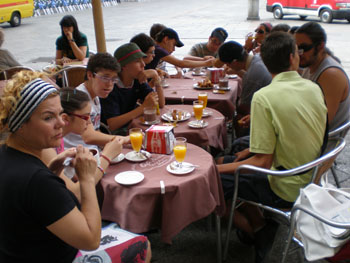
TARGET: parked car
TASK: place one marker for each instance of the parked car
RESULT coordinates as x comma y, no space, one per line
13,11
327,10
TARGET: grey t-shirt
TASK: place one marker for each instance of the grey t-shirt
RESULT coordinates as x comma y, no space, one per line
256,77
201,50
7,60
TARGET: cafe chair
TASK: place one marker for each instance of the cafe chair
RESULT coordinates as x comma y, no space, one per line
292,229
341,131
72,76
320,166
8,73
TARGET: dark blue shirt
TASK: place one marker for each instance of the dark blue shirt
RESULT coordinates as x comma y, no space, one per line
159,54
123,100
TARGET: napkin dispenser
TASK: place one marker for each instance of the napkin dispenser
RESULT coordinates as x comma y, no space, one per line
160,139
214,74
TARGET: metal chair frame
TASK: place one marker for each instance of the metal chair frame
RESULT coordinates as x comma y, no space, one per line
341,131
8,73
319,166
67,78
313,214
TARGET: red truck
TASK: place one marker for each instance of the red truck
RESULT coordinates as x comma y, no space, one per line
327,10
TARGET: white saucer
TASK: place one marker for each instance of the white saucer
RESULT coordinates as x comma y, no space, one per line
222,88
169,117
165,85
206,113
151,122
171,168
199,74
118,159
129,177
194,124
134,157
232,76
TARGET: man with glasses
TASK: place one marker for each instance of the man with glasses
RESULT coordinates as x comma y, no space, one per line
319,65
101,74
121,106
204,50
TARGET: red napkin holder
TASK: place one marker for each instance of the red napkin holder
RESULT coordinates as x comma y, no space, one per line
160,139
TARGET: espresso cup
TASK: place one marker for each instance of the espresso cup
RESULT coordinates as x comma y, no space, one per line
197,70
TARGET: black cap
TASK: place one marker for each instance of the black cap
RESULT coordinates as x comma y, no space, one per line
219,33
231,50
170,33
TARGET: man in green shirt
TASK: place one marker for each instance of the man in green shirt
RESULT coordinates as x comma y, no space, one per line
288,121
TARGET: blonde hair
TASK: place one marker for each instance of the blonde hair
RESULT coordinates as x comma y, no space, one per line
12,94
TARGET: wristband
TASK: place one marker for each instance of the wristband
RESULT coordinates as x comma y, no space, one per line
106,158
102,170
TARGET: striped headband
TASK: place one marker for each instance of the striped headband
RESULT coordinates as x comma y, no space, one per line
31,96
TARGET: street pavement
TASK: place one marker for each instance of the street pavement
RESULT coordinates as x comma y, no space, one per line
33,44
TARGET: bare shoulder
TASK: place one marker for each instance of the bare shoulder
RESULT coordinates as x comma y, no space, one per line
334,79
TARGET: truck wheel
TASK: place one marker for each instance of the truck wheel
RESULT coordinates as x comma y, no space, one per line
15,19
326,16
302,17
277,13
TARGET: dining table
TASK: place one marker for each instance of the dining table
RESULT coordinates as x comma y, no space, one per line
213,135
185,91
162,200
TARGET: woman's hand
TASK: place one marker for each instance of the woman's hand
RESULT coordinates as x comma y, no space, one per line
85,164
56,164
69,35
113,148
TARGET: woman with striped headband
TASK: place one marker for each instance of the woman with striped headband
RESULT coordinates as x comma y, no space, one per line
41,221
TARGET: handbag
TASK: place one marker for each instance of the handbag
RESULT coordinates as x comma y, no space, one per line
321,240
116,246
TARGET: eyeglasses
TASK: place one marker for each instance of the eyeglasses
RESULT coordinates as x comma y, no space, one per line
106,79
84,117
304,48
260,31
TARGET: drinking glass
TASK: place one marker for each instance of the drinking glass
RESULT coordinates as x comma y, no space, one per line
180,148
198,110
136,137
203,96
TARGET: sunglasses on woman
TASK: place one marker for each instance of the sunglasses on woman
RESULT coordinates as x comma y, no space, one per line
260,31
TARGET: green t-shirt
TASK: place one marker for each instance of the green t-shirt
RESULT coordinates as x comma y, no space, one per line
67,50
201,50
288,119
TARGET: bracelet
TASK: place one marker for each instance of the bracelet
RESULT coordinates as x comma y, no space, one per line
102,170
106,158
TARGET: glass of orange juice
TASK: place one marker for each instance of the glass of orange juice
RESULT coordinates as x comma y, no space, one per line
180,148
198,110
203,96
136,137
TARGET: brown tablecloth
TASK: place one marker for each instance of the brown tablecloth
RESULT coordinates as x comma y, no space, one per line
182,91
142,207
213,135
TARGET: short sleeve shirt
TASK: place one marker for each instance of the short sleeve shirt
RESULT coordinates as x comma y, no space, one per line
31,198
288,119
67,50
159,54
201,50
123,100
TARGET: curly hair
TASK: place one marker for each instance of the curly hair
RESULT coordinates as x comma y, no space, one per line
12,94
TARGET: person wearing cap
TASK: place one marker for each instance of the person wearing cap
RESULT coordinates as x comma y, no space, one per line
208,49
252,43
254,76
120,107
166,40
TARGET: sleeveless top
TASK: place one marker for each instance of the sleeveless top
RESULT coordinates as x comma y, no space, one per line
343,113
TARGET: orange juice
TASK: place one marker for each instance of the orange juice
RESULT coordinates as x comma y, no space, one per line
198,111
136,141
180,153
203,97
